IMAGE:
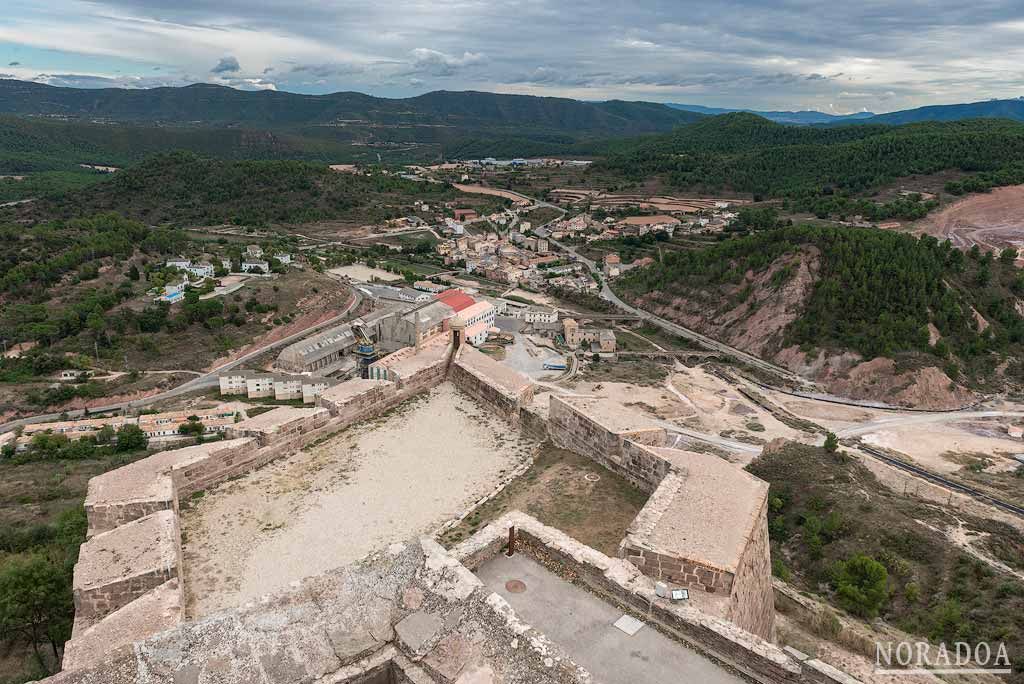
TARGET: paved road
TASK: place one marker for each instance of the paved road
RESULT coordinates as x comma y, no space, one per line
674,328
204,380
582,625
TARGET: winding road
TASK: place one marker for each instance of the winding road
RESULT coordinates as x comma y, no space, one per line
674,328
202,381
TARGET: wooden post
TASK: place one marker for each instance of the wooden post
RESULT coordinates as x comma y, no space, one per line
511,541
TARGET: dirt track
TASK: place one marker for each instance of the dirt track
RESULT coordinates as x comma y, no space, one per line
993,220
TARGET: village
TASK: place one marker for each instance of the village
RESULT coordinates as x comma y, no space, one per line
482,395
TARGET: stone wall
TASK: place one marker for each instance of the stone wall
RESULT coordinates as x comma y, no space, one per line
533,423
119,566
222,464
105,517
495,385
752,599
618,581
293,424
572,428
680,571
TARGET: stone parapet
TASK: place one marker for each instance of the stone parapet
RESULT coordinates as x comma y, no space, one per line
153,612
155,483
119,566
600,429
495,385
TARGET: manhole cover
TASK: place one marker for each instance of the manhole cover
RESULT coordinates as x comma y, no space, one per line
591,477
515,586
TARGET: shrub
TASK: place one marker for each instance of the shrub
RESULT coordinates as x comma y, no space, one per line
861,585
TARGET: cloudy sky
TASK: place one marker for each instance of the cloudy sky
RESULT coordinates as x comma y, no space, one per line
764,54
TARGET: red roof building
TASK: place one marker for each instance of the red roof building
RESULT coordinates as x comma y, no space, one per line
457,299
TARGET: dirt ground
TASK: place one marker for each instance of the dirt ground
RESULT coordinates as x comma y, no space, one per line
949,447
991,220
379,482
568,492
364,274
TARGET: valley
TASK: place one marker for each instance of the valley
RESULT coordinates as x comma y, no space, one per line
429,316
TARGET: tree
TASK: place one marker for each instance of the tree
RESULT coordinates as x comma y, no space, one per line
831,442
861,584
133,272
131,438
192,427
35,603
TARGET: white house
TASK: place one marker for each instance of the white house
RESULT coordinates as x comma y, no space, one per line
173,292
201,270
259,386
284,258
254,266
540,315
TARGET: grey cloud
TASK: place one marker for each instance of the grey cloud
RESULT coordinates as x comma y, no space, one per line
14,64
764,54
226,65
441,64
327,70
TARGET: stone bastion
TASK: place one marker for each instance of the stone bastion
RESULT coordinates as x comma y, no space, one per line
703,527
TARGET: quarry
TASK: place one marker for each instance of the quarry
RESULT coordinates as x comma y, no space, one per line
304,547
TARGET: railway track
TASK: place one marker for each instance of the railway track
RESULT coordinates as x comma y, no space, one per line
938,479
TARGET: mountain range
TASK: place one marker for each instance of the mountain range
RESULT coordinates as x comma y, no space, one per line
988,109
803,117
207,104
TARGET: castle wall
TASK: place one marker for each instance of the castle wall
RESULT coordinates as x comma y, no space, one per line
119,566
221,465
493,384
752,598
571,428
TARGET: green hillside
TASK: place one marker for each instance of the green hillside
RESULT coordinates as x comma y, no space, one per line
219,105
750,154
184,188
1001,109
875,292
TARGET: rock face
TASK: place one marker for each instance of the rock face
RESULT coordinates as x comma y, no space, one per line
751,315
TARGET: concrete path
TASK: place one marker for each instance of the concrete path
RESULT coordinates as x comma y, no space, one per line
581,624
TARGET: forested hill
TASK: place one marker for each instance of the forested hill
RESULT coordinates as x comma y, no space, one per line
1002,109
747,153
868,291
32,145
219,105
181,188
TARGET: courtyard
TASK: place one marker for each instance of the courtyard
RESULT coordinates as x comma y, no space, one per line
381,481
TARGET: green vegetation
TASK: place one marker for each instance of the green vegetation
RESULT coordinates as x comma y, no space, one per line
819,169
36,607
835,530
48,446
220,105
875,292
183,188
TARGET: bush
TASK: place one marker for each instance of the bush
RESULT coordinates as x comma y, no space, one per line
861,584
831,442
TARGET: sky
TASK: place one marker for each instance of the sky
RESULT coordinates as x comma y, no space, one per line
837,57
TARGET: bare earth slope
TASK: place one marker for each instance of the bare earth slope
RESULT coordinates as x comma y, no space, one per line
992,220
